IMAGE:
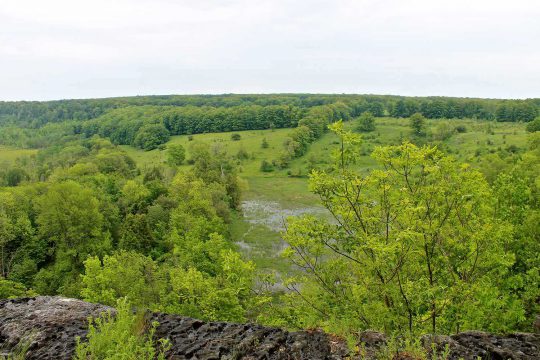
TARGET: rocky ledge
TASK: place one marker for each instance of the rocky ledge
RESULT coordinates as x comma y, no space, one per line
53,323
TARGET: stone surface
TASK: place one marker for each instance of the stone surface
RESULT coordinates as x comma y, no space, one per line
53,323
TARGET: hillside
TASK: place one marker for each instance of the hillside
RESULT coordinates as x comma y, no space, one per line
270,197
340,213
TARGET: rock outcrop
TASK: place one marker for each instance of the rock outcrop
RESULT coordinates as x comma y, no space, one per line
52,323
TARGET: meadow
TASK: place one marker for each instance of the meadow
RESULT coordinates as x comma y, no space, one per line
270,197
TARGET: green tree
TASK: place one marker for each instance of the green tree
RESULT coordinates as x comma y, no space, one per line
15,176
176,154
414,245
11,289
534,125
123,274
366,122
266,166
150,136
122,336
418,124
70,219
264,143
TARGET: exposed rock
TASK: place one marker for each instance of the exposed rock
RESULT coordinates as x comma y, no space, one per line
53,323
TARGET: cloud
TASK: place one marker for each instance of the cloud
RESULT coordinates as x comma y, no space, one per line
70,49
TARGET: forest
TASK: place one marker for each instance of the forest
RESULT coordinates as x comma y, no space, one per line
407,215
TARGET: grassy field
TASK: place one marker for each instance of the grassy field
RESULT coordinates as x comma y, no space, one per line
10,154
269,198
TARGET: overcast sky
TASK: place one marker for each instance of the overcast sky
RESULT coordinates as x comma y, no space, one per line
59,49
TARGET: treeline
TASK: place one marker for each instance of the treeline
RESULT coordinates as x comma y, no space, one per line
502,110
34,114
149,126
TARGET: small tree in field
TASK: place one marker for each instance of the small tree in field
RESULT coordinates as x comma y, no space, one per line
366,122
266,166
176,154
418,124
413,246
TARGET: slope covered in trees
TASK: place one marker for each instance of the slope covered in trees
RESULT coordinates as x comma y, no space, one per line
429,225
120,118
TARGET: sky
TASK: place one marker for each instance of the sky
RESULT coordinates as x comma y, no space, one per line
60,49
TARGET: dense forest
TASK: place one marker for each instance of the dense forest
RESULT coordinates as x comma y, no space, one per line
419,241
123,119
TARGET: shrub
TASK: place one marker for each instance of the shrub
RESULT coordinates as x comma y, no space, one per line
242,154
461,129
120,337
235,137
418,124
176,154
366,122
264,143
533,125
266,166
150,136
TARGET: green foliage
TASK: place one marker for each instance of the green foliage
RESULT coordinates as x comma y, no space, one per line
150,136
235,137
366,122
414,246
516,111
534,125
10,289
84,220
15,176
443,131
212,165
122,336
176,154
211,291
70,219
266,166
418,124
242,154
124,274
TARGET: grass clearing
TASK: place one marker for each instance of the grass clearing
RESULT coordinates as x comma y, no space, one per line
290,195
10,154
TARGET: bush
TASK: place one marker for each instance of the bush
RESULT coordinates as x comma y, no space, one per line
533,125
151,136
264,143
242,154
366,122
235,137
120,337
461,129
11,289
176,154
418,124
266,166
